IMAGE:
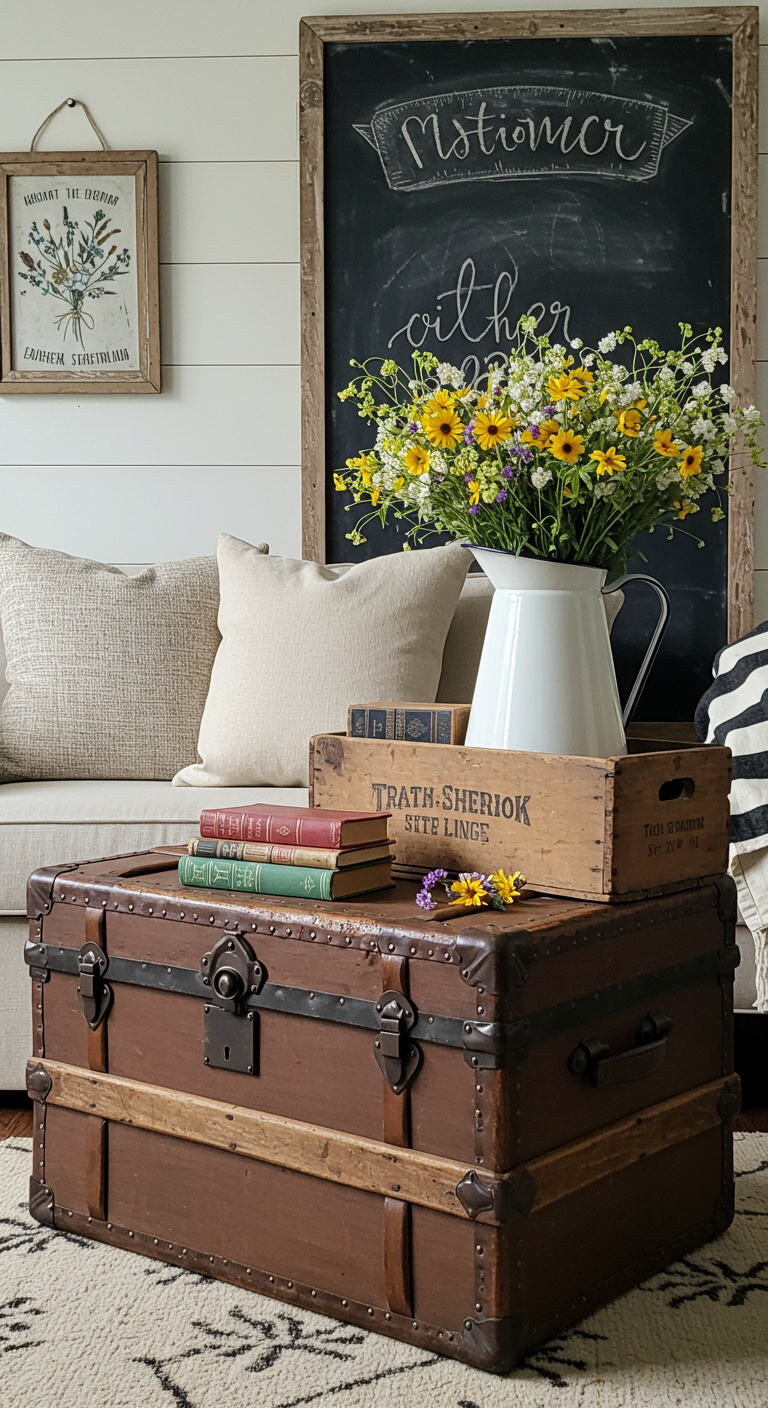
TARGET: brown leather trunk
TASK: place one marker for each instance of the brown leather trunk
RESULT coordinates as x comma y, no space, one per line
464,1133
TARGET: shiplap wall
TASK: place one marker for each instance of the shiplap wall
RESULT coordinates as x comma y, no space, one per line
213,88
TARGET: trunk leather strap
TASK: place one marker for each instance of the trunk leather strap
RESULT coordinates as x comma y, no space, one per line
397,1130
96,1149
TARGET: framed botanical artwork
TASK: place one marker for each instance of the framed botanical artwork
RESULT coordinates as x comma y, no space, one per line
79,272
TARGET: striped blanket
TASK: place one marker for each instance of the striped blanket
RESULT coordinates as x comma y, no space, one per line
734,712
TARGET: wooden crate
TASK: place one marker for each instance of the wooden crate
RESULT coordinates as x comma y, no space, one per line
605,829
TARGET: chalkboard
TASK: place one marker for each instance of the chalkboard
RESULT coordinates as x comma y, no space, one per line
596,178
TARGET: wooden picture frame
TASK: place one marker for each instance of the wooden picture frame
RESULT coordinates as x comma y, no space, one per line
66,247
738,22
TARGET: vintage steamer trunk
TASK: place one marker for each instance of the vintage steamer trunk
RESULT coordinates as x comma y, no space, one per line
466,1134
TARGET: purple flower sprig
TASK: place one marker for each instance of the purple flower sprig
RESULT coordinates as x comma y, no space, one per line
424,898
469,432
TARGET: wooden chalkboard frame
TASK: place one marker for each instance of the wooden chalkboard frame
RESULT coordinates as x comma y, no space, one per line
739,22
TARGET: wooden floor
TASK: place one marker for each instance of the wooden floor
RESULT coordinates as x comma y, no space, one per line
16,1117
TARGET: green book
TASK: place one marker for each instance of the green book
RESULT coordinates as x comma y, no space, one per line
296,881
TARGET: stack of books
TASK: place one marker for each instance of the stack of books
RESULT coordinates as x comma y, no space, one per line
300,852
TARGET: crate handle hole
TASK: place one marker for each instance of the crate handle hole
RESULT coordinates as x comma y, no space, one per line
226,1053
676,788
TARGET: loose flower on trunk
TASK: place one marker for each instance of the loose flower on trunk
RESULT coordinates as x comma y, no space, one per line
557,453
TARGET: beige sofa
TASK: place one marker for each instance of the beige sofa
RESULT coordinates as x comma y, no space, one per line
44,823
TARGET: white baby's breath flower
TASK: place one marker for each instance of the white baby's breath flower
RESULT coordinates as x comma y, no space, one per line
708,359
540,477
700,390
444,372
703,429
687,368
666,374
727,394
722,355
752,415
730,423
607,343
588,359
577,343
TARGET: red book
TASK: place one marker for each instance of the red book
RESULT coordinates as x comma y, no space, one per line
294,826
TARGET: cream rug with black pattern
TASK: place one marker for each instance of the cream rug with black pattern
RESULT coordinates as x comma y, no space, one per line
85,1326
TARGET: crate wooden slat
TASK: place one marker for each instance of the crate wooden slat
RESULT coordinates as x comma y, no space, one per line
603,829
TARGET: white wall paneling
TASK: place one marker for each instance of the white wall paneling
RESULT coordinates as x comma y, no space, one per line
166,27
204,416
166,508
212,88
229,313
185,109
197,199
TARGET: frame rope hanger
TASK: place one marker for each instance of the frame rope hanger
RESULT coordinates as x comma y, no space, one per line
70,103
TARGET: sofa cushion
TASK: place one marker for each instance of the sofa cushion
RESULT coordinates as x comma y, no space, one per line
45,823
300,643
108,673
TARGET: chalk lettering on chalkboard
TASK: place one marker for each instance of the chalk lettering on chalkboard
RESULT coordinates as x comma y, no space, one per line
515,133
497,325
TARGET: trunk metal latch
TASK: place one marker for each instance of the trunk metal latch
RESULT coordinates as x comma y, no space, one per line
397,1056
232,972
93,994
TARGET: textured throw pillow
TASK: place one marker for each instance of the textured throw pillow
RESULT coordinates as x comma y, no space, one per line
301,642
107,673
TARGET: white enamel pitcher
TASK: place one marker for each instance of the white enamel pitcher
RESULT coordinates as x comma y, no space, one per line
546,682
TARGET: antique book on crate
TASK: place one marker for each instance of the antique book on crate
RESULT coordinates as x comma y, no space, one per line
299,880
226,1081
319,856
414,723
608,829
294,826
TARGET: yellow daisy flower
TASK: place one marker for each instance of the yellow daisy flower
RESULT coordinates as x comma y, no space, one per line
690,462
470,890
565,446
508,887
547,429
444,430
565,388
630,423
492,429
417,460
441,401
605,393
474,491
663,444
481,401
685,507
608,461
582,374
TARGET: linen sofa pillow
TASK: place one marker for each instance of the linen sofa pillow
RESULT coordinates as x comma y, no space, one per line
107,673
301,642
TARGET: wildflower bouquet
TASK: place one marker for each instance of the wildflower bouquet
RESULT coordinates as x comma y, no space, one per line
556,456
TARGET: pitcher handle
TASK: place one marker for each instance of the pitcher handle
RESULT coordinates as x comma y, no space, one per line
656,638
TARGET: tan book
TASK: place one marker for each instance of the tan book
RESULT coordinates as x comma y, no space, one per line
266,854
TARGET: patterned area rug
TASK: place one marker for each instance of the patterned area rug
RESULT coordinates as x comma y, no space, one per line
85,1326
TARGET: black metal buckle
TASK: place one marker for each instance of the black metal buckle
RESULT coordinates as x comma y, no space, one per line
93,994
397,1056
